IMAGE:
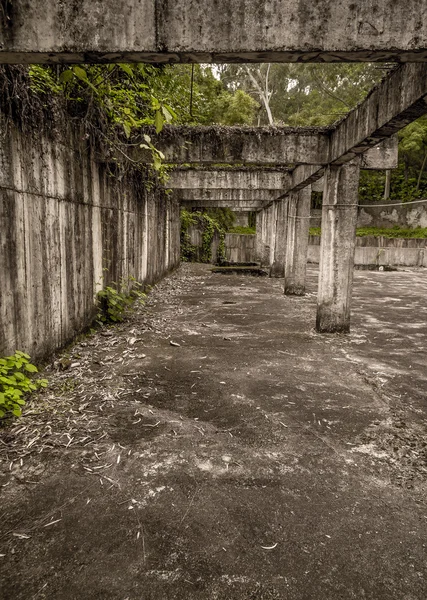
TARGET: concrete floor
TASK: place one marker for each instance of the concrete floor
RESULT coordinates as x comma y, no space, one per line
254,460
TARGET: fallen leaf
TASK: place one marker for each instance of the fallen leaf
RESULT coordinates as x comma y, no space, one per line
269,547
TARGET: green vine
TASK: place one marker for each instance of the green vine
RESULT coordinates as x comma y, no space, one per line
208,226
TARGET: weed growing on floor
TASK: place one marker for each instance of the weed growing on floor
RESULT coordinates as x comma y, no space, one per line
16,382
115,301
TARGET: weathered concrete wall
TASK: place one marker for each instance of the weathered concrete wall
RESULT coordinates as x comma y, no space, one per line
380,251
203,31
67,227
196,239
241,219
240,248
408,216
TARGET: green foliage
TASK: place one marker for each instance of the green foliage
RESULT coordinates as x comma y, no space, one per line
235,109
116,301
304,95
209,226
112,101
404,186
387,232
242,230
16,383
224,216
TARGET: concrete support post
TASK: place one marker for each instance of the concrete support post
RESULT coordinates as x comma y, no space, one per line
266,235
278,266
258,236
339,220
298,224
272,234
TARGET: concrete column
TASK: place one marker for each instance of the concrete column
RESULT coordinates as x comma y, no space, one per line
272,234
266,235
278,266
298,224
339,220
258,236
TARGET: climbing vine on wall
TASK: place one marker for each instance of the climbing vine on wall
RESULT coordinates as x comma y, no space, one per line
208,226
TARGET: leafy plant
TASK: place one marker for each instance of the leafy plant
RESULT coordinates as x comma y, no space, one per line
16,383
115,303
208,226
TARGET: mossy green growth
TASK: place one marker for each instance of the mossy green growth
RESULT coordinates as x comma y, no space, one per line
208,226
387,232
242,230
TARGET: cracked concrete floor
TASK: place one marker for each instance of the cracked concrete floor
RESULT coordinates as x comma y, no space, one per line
216,447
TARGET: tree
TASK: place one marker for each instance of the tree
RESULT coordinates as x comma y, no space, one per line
301,95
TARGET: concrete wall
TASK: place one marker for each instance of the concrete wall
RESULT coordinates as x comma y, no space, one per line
380,251
196,239
240,248
241,219
410,216
64,220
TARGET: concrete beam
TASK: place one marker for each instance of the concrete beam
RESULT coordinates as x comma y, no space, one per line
230,179
241,145
201,195
395,102
244,205
204,31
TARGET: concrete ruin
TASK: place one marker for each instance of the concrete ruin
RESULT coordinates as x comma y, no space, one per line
239,456
273,167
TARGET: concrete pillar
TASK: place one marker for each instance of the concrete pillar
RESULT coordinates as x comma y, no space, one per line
258,236
266,237
272,234
339,220
278,266
298,224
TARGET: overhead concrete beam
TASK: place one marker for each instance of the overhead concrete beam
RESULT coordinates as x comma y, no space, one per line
243,205
241,145
396,101
268,146
230,179
204,31
200,195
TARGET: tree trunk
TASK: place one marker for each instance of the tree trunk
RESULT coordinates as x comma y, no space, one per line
422,170
387,184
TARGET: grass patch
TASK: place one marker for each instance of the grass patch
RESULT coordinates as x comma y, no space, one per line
387,232
242,230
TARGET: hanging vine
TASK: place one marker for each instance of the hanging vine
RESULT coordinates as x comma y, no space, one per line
208,227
